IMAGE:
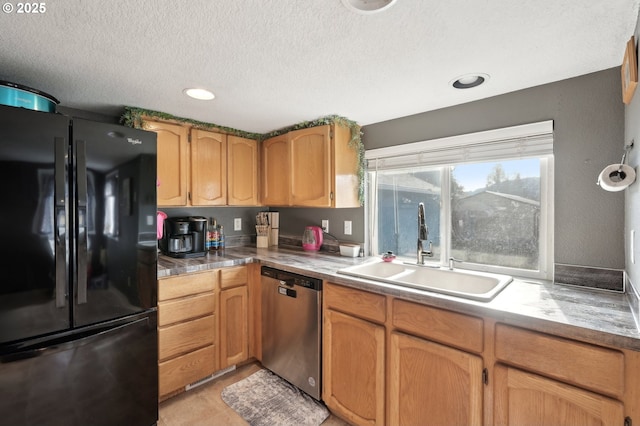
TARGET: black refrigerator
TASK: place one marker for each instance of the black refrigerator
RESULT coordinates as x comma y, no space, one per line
78,299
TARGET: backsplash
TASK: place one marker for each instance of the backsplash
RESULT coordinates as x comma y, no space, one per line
239,240
633,296
584,276
329,244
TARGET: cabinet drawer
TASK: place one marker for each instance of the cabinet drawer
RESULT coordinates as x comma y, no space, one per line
232,277
357,302
186,285
184,337
186,308
592,367
183,370
448,327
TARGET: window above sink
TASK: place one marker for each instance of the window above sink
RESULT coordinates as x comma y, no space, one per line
488,200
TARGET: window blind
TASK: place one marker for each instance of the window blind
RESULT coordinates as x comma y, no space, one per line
528,140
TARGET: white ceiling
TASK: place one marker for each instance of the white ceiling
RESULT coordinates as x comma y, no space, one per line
274,63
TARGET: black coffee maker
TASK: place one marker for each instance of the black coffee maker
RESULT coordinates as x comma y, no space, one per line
184,236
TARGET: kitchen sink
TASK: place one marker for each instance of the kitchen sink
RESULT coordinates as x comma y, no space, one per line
468,284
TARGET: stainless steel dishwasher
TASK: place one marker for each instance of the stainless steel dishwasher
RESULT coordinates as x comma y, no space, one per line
291,328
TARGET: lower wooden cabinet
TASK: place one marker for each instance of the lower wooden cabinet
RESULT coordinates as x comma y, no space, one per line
391,361
187,337
183,370
234,335
234,316
591,367
203,323
184,337
354,368
433,384
523,398
544,379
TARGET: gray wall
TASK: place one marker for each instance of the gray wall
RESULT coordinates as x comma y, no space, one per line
589,134
632,194
293,220
223,215
588,119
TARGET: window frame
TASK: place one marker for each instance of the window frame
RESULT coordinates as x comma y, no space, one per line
455,148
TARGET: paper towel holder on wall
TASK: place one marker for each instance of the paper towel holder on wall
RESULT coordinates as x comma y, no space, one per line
617,177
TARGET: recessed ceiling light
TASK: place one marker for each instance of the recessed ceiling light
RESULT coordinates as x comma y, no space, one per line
468,81
368,6
200,94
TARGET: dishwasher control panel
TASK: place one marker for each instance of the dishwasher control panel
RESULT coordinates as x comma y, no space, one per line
291,279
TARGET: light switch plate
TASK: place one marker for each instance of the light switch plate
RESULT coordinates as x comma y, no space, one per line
347,227
237,224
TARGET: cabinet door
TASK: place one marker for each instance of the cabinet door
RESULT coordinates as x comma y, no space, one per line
275,171
178,372
346,182
208,168
173,151
185,337
242,171
311,167
234,323
174,287
523,398
433,384
353,363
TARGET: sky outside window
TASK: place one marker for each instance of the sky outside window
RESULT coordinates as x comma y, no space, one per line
474,176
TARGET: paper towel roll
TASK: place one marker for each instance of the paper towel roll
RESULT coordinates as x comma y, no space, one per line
615,177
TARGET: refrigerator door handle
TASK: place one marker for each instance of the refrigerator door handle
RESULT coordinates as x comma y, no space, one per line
60,217
50,346
81,171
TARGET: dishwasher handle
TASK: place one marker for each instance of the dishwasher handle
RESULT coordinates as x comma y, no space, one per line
289,292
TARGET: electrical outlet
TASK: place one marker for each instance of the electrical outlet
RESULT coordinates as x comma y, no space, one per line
347,227
237,224
325,225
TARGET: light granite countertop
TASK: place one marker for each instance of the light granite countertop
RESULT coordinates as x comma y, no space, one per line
594,316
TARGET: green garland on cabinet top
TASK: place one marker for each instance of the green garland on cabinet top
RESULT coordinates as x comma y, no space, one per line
134,117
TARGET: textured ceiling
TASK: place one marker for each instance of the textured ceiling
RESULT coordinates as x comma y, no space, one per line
273,63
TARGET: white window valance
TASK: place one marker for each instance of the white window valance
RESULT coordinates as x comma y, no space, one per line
528,140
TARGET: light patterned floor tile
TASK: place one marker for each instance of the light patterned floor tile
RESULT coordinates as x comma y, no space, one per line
203,405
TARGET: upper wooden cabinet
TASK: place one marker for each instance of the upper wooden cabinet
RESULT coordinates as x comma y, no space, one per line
203,168
275,171
312,167
173,162
242,171
310,151
208,168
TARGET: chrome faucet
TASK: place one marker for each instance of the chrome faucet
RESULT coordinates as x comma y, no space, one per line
423,235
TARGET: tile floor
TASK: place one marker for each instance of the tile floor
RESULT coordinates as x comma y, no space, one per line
204,406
